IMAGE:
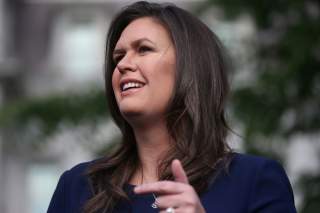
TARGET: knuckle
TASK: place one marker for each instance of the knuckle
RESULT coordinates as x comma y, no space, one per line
162,185
191,202
190,189
165,185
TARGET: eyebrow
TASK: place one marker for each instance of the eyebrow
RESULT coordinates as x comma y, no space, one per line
135,43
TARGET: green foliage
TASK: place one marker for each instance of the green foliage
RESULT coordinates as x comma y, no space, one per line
288,67
311,190
53,110
284,99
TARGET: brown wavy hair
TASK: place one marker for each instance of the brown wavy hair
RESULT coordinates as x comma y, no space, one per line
196,113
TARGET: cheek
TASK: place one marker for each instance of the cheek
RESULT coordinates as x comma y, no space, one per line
115,81
169,74
165,81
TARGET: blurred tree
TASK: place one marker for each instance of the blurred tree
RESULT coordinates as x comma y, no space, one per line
284,99
49,112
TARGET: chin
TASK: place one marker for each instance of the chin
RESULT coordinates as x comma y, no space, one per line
130,111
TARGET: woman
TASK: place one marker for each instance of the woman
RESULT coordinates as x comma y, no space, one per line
166,85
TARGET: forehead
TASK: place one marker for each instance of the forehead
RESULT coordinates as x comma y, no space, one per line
145,27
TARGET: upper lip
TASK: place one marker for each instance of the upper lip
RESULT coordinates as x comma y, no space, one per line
127,80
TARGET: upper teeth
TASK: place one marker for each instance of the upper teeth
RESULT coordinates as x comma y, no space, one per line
131,85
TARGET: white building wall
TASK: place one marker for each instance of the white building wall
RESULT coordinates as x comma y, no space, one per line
14,184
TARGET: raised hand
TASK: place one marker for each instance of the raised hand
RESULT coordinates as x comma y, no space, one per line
174,196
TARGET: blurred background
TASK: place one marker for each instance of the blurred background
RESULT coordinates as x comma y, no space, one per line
53,113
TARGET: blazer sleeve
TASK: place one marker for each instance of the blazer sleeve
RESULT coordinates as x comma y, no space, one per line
58,200
271,190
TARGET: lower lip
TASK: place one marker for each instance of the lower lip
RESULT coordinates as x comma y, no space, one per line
130,91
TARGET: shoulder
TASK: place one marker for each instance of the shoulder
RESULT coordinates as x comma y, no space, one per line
251,161
248,167
252,184
75,176
72,190
257,168
78,170
270,187
243,164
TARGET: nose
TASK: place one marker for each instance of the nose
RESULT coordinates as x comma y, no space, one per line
127,63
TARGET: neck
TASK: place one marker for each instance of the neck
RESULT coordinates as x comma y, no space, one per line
153,141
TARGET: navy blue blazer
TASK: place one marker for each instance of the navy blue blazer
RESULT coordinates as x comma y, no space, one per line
253,184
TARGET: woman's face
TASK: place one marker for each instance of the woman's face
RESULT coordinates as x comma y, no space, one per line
144,77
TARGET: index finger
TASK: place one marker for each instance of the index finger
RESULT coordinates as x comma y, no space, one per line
178,172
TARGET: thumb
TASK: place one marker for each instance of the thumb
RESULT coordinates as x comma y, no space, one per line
178,172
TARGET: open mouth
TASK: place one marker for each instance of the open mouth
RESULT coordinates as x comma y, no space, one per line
130,85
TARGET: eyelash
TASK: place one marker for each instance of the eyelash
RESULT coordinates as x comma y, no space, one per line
144,49
117,59
141,50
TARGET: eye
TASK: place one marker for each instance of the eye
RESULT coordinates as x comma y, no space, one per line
143,49
117,58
